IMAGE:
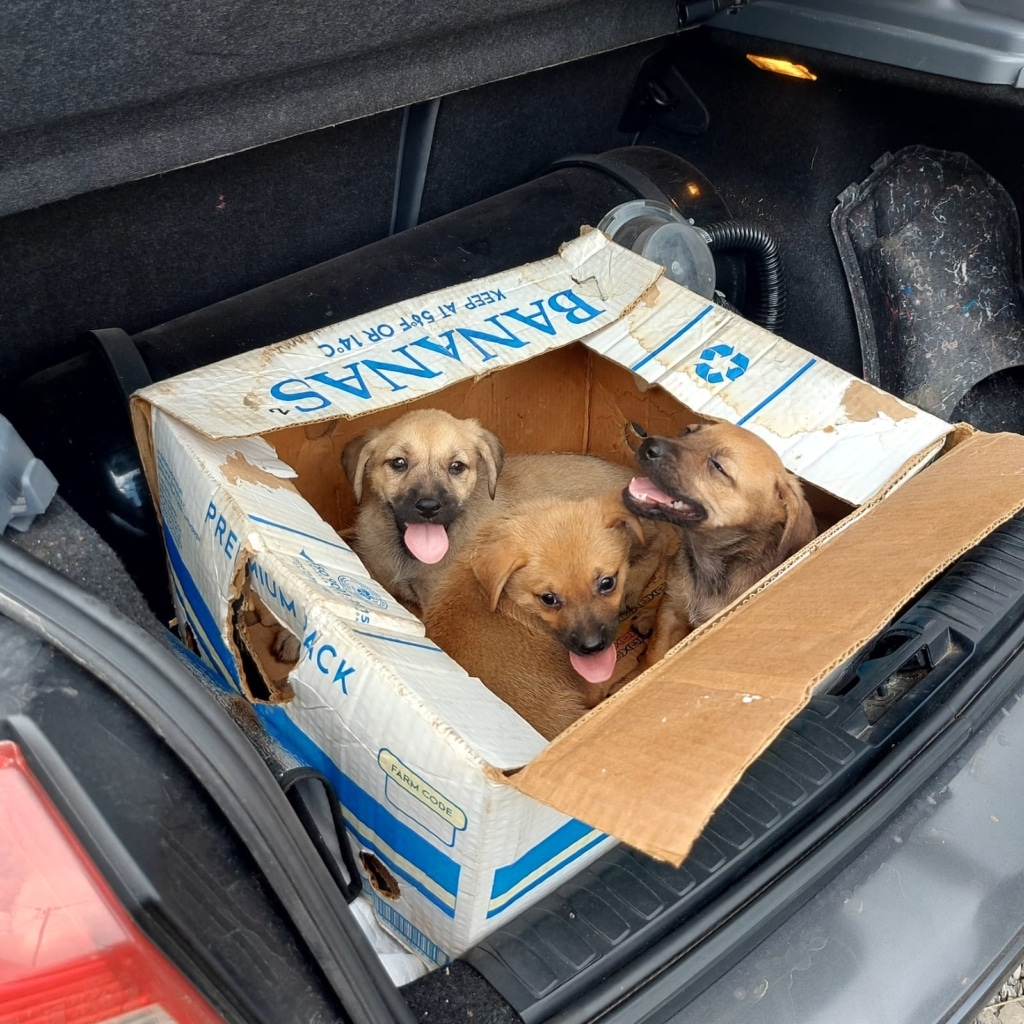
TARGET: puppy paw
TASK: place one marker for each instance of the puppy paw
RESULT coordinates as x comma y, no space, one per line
286,647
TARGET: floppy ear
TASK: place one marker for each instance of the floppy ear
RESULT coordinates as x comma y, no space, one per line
800,527
354,458
493,563
619,517
492,454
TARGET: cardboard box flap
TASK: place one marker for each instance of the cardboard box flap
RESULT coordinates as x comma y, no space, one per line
412,348
638,766
832,429
475,721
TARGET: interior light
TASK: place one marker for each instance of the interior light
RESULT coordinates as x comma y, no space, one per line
782,67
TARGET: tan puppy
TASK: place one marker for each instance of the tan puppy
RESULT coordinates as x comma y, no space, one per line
419,482
531,605
739,511
426,481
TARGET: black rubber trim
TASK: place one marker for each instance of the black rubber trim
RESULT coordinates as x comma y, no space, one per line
123,358
769,848
166,696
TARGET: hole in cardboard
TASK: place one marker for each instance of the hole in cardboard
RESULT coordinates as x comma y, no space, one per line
188,638
381,880
268,652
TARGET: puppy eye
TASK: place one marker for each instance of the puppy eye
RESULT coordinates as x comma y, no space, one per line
606,584
550,600
457,467
717,466
399,464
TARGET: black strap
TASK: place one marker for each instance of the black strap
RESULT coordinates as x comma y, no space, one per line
123,358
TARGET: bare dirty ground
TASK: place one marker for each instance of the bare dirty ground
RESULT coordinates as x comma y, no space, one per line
1007,1006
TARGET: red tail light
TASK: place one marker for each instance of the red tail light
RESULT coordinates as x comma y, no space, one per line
69,953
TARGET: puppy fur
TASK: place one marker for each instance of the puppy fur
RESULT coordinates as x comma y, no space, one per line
739,513
544,578
428,468
455,465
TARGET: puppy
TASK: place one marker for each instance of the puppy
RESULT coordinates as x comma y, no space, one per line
418,482
531,605
739,513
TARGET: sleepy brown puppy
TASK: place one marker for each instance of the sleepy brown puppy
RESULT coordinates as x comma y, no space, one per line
739,511
531,605
419,482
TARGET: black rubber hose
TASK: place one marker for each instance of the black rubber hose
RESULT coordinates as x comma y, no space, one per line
769,309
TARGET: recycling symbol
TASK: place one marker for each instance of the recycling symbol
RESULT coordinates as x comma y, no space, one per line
736,364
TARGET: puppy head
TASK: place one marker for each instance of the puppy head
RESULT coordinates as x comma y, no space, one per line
423,467
561,566
718,476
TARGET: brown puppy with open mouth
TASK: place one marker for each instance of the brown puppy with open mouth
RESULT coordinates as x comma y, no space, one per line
419,483
532,604
740,514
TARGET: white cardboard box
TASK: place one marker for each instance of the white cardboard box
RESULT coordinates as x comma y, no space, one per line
243,457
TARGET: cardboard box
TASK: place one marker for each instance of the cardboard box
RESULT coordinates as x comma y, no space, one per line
461,813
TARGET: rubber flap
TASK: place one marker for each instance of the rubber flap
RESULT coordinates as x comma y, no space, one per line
930,244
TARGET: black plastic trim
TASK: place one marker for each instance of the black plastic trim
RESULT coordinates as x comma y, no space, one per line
345,874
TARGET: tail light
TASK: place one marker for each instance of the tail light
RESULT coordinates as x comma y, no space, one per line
69,952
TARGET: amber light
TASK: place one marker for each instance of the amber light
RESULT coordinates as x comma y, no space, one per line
782,67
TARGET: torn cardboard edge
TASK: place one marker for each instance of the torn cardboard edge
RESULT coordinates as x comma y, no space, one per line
580,772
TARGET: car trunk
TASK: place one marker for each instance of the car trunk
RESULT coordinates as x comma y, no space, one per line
148,208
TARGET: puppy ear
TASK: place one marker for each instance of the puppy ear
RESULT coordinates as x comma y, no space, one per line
354,458
493,563
619,517
800,527
492,455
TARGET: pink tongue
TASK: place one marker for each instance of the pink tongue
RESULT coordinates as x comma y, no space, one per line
426,541
595,668
646,490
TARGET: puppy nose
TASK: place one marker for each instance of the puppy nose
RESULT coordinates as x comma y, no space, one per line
650,449
428,506
590,643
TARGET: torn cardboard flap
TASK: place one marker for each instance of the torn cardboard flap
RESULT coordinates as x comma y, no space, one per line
639,765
